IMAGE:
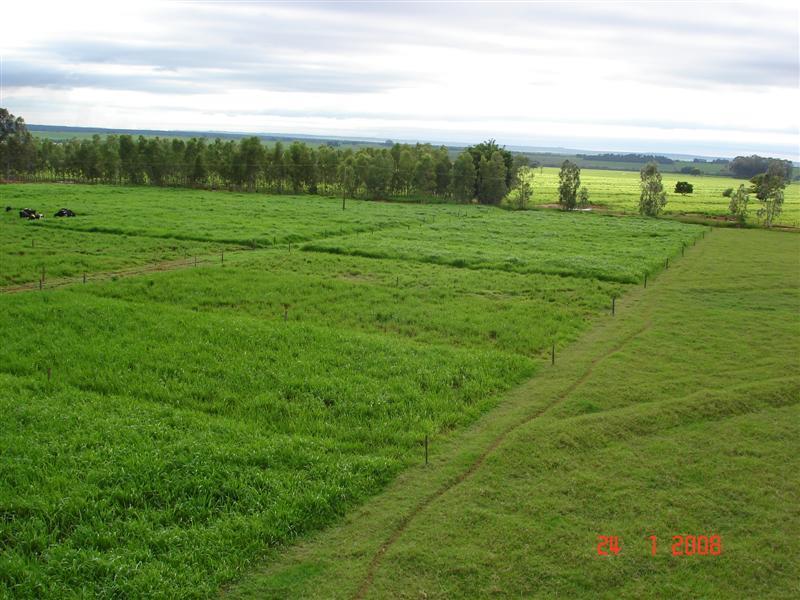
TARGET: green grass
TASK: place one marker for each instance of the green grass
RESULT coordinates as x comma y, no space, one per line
575,244
123,227
678,416
427,303
619,190
206,216
296,423
166,432
27,248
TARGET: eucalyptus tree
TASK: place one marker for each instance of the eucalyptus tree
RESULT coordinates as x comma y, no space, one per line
653,197
492,174
464,177
569,180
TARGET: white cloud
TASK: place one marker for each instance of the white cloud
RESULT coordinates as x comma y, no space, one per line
717,78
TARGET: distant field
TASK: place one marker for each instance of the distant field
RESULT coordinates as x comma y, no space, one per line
619,190
163,432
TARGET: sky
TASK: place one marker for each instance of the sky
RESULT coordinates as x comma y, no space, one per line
705,78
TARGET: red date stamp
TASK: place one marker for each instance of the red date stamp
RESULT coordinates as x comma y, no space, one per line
682,545
608,545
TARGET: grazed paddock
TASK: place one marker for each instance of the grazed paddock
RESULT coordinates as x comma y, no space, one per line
165,432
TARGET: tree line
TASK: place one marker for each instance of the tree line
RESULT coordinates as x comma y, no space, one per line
484,171
628,158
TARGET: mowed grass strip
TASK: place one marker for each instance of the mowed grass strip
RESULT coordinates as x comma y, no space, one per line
573,244
513,312
714,453
619,190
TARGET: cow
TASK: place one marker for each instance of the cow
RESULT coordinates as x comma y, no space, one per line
30,214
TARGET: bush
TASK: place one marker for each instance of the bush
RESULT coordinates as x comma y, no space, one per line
684,187
727,193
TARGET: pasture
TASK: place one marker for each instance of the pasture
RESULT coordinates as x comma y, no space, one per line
119,227
677,417
619,191
165,432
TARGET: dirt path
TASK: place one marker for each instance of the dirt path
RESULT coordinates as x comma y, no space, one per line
375,563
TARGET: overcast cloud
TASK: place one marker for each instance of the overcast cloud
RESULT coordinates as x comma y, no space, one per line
706,78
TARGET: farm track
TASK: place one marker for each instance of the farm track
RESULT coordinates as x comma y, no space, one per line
481,459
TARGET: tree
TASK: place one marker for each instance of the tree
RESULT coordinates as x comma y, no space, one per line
375,169
583,197
520,196
276,167
327,163
569,180
425,175
683,188
404,175
738,204
464,177
444,170
248,162
300,167
727,193
653,197
483,152
348,180
520,161
748,167
492,174
17,150
768,188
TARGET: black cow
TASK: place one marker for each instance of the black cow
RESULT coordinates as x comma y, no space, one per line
65,212
30,214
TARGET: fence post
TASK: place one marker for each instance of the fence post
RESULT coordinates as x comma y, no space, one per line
613,302
645,280
553,354
426,449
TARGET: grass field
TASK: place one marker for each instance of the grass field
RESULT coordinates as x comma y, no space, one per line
144,225
165,432
599,247
677,417
619,190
